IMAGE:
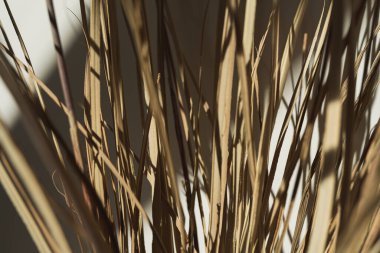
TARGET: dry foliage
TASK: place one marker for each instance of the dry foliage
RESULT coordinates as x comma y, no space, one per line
208,163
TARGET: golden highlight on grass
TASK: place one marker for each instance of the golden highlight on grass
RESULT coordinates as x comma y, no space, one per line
215,137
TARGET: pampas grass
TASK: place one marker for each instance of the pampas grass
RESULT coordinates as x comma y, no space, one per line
209,151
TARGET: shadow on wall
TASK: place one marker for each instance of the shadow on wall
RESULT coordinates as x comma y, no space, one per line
188,16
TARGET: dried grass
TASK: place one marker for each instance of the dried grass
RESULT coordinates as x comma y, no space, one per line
227,202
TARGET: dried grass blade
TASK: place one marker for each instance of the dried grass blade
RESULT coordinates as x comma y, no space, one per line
219,161
290,46
65,85
134,14
30,111
32,185
25,211
331,139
